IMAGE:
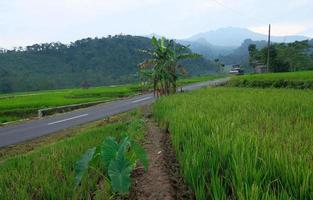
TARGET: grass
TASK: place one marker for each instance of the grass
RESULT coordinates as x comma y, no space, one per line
48,172
296,80
25,105
19,106
240,143
27,146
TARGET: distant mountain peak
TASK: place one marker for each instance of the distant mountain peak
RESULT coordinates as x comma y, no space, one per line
151,35
234,36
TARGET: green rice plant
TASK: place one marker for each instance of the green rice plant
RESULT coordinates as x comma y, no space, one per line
296,80
118,160
24,105
241,143
49,172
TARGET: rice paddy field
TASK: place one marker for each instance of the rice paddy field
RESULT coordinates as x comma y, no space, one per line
242,143
18,106
297,80
48,172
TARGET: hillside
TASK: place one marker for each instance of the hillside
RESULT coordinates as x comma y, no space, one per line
98,61
241,54
206,49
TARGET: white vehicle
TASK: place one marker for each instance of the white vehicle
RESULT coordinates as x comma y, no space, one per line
236,71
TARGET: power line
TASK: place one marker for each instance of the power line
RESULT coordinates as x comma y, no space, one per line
238,12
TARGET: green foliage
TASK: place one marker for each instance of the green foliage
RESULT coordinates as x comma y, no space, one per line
48,172
296,80
140,154
240,55
119,172
239,143
164,65
23,105
294,56
82,164
109,149
117,165
93,62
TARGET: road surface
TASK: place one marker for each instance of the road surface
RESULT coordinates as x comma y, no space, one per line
13,134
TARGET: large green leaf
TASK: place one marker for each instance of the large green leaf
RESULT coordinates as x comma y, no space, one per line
141,154
155,41
119,173
82,165
109,149
124,144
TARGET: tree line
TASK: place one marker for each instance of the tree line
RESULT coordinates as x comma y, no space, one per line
284,57
91,61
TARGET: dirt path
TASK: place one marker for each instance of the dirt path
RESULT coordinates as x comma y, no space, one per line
161,181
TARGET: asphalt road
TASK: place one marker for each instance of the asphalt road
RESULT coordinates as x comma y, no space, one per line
18,133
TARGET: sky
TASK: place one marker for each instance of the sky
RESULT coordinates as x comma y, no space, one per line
25,22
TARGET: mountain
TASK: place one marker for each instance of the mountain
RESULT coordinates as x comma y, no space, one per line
233,36
284,57
241,54
98,61
201,46
209,51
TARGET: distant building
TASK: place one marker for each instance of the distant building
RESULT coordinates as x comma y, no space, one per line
260,69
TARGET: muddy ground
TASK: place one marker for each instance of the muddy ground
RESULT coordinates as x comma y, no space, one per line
162,180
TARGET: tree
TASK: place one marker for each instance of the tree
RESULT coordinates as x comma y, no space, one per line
163,66
220,65
100,61
252,53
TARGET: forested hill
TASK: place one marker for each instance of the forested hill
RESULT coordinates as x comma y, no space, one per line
104,61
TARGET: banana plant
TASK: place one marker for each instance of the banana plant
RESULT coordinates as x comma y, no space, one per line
164,65
117,158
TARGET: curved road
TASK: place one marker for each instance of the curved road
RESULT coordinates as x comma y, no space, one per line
13,134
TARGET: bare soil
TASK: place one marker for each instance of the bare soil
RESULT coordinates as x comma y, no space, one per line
162,180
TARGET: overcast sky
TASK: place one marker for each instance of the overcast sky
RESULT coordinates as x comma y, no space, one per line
24,22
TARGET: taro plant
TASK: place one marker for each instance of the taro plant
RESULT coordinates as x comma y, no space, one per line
118,159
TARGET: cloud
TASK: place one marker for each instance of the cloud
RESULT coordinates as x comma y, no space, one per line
25,22
281,29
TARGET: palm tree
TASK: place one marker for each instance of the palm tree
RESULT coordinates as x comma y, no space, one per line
163,67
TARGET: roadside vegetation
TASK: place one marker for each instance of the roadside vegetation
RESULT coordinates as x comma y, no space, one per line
49,172
239,143
296,80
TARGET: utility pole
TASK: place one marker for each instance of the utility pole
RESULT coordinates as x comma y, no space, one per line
268,48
